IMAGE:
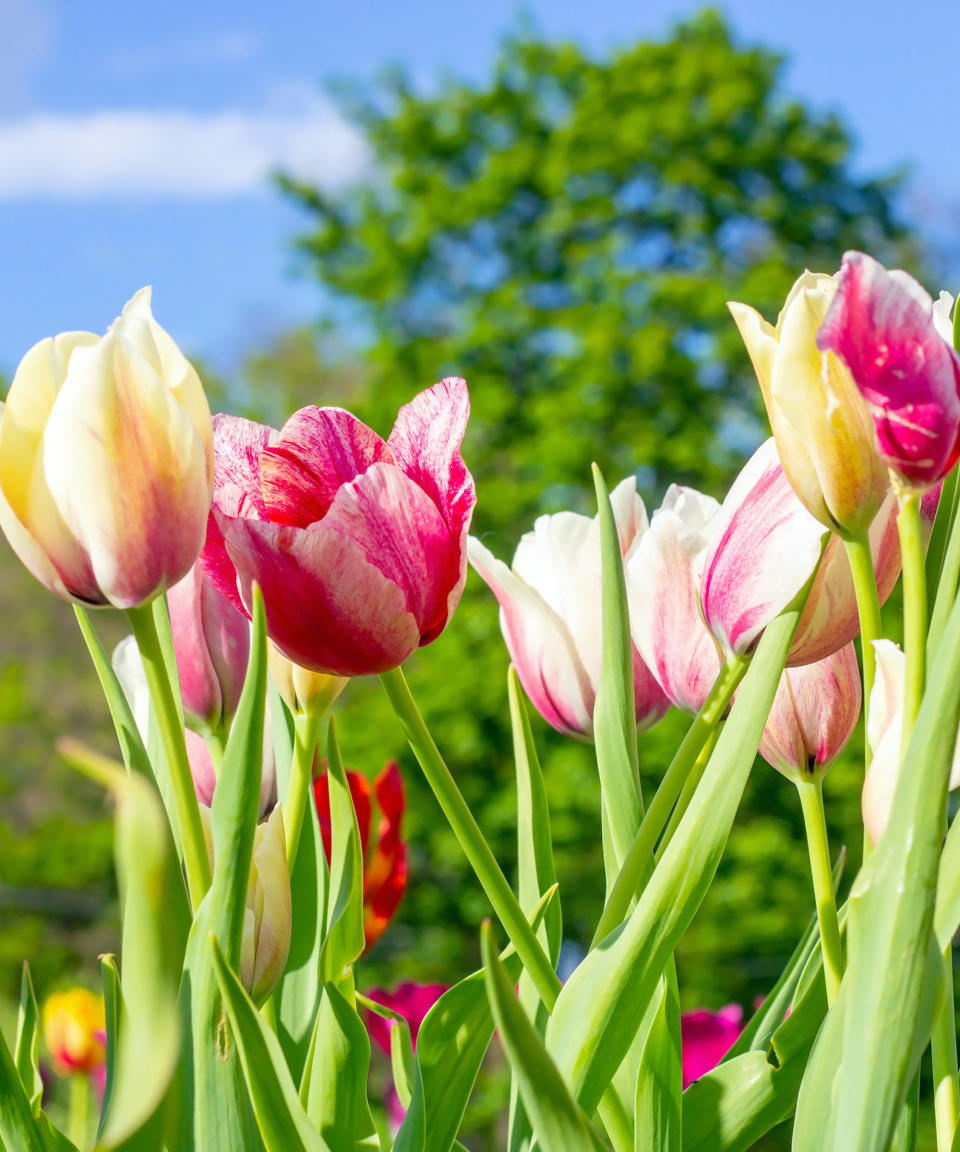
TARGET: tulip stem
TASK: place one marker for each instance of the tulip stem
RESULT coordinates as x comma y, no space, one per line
815,824
689,787
868,608
308,725
475,847
914,611
78,1115
170,724
943,1050
640,855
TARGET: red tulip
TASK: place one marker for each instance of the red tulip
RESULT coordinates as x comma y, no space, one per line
898,348
358,544
385,867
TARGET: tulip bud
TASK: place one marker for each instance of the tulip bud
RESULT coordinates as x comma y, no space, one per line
300,688
74,1031
814,713
106,462
898,347
884,729
269,913
211,640
822,426
551,614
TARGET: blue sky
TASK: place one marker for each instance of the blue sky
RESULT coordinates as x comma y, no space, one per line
136,139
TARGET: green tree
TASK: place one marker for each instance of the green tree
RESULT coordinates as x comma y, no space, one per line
565,236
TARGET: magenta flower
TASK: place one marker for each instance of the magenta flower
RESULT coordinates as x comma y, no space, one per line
211,640
764,547
358,544
898,347
705,1039
551,614
413,1001
814,713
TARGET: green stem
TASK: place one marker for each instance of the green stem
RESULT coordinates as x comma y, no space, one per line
689,787
868,607
308,725
78,1117
167,713
814,822
946,578
641,850
914,611
943,1048
471,839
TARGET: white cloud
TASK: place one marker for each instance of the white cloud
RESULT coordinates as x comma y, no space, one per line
177,154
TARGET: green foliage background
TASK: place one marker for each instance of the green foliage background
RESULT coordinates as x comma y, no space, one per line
565,236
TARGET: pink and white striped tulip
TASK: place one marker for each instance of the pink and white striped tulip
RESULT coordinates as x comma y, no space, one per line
211,641
898,347
358,544
884,731
814,713
551,614
106,462
663,569
765,546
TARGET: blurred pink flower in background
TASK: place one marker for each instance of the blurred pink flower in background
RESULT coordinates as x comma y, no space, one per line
412,1001
706,1038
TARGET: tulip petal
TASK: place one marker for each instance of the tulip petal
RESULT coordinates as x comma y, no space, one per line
127,470
360,622
765,548
540,647
663,572
317,451
882,324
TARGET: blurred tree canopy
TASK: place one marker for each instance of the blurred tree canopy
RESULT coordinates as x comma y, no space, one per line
565,236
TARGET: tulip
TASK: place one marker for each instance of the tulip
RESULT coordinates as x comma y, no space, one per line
211,641
884,730
301,689
705,1038
814,713
106,462
128,665
764,547
268,912
73,1029
358,545
385,868
551,613
663,578
821,424
897,345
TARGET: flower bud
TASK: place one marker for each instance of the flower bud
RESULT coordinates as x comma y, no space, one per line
106,462
74,1031
821,424
300,688
211,640
268,915
814,713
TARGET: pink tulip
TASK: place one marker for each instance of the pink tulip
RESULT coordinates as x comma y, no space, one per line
663,578
705,1039
358,544
899,351
814,713
764,547
211,640
551,613
884,729
413,1001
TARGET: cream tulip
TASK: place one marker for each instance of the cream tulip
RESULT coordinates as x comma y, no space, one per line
822,426
106,462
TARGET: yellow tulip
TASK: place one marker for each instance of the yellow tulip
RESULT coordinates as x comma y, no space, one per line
824,432
73,1028
106,462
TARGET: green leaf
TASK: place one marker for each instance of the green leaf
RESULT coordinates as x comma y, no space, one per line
281,1120
889,984
614,713
18,1129
282,730
112,996
535,874
402,1059
26,1051
946,915
334,1092
344,941
600,1008
559,1124
660,1079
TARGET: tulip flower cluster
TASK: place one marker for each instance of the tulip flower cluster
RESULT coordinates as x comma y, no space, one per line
262,569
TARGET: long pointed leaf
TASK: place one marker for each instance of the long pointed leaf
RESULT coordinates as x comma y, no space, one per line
657,1122
26,1052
